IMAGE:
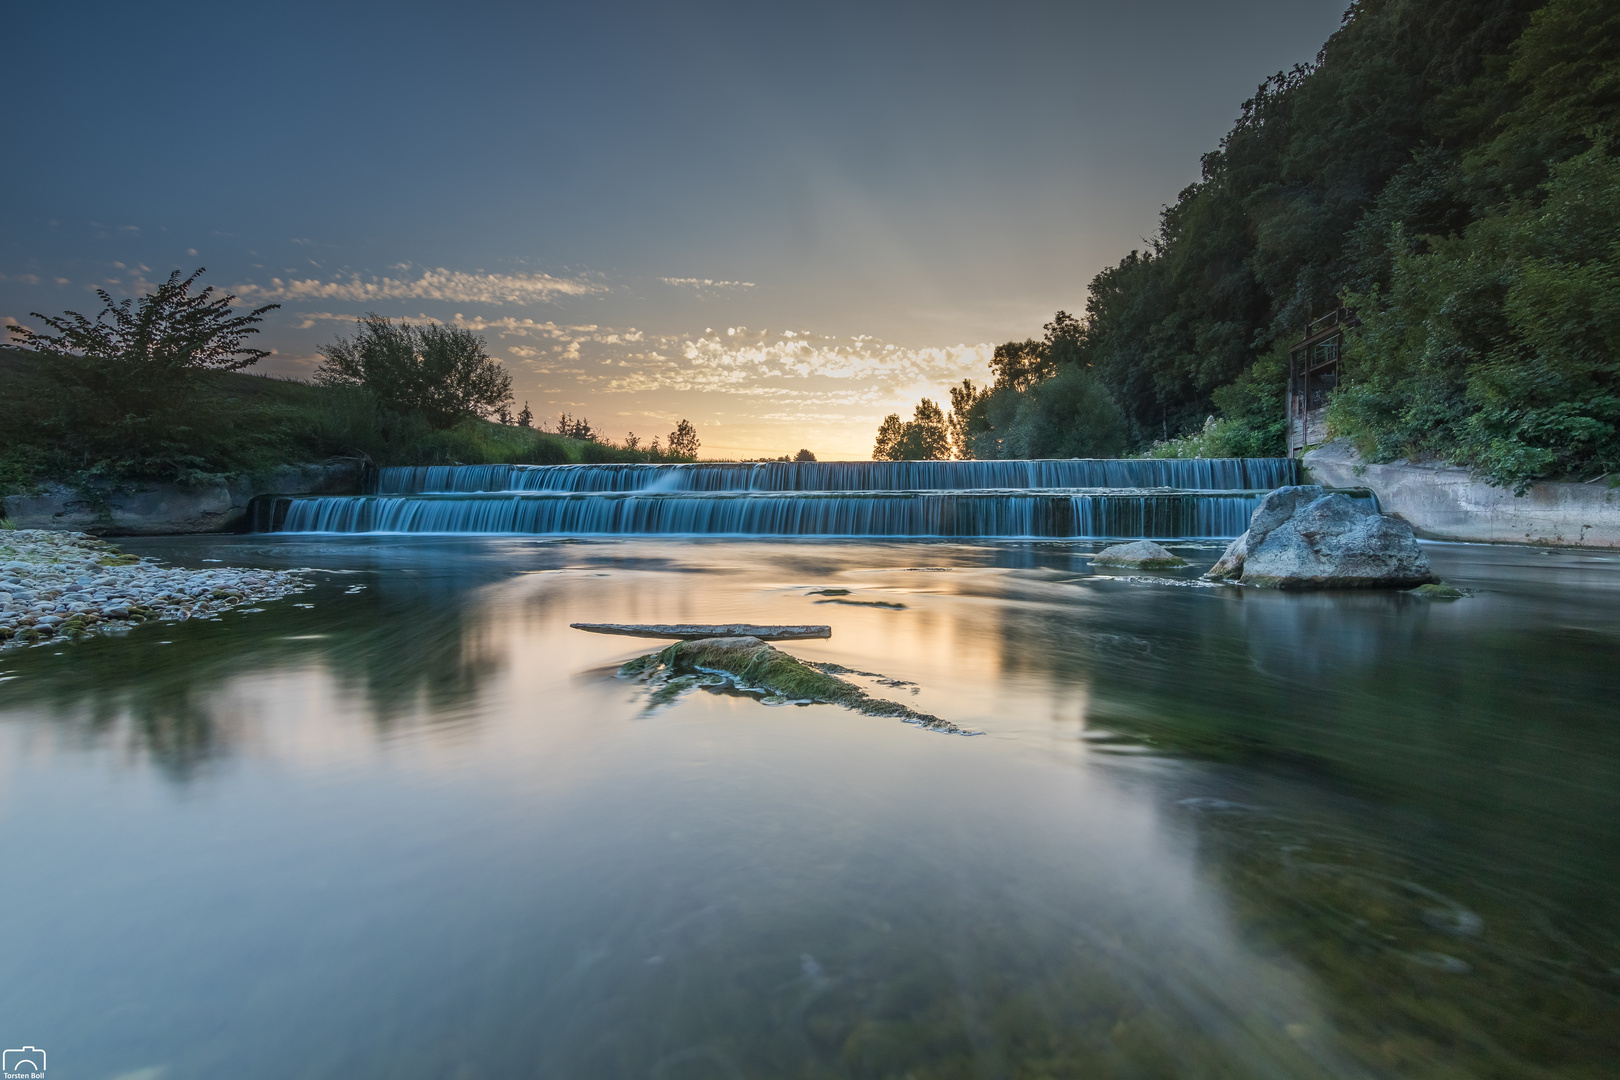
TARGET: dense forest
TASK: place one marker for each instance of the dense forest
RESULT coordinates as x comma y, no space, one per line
1449,171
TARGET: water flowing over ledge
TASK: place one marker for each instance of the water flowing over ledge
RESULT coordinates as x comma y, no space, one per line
1165,515
1184,474
1080,498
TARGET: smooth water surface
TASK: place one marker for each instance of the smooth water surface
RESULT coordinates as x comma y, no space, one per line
417,828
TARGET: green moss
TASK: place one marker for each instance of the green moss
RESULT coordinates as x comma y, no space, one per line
1440,591
752,665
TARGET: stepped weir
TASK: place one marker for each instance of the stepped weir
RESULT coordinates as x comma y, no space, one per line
1101,498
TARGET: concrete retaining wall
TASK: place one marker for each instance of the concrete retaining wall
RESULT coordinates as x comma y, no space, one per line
166,509
1442,502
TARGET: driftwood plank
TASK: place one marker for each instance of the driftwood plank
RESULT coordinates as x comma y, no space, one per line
694,631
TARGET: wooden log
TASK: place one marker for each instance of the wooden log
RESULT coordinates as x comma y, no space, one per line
695,631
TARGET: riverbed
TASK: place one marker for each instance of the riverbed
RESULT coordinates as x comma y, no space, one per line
409,824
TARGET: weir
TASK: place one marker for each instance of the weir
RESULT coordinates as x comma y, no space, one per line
1082,498
1183,474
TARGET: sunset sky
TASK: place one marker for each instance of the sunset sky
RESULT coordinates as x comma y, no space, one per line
780,221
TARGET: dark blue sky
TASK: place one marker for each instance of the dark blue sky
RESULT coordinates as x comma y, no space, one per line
782,221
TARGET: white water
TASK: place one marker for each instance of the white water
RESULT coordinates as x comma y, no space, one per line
1097,498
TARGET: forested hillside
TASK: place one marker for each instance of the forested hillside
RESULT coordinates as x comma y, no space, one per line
1446,168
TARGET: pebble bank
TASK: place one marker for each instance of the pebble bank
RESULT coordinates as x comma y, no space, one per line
62,585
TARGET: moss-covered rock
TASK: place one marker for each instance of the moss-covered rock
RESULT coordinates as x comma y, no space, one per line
1440,591
1140,555
752,665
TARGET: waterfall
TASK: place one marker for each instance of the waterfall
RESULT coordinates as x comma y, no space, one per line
1095,498
1182,474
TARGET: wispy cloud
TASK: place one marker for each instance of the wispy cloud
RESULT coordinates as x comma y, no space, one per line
798,366
437,284
24,279
705,283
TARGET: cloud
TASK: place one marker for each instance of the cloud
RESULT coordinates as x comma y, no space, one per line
856,370
705,283
437,284
506,327
24,279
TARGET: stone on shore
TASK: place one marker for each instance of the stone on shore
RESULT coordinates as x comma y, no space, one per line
1308,538
56,585
1140,555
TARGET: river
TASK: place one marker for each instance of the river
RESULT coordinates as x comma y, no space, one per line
409,824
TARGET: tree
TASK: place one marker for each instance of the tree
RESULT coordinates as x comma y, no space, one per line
683,441
575,427
966,404
632,441
925,437
121,395
441,373
525,418
890,432
1020,364
804,455
171,332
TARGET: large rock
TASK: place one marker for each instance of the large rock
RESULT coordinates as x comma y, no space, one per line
1139,555
1308,538
152,509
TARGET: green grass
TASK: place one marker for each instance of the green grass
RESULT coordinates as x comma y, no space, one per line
233,424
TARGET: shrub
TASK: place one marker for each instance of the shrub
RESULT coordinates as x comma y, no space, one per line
440,373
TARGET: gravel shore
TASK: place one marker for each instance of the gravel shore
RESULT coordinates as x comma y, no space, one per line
61,585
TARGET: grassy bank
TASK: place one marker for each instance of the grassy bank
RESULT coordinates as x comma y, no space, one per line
227,423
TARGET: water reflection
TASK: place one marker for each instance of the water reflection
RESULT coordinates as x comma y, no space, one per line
1210,833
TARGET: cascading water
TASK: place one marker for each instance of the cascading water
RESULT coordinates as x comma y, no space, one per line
1183,474
1100,498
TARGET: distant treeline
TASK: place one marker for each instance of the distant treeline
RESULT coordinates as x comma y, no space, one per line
1446,169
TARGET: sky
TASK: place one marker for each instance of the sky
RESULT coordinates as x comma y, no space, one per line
781,222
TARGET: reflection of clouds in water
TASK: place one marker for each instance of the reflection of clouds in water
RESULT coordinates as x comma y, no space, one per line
800,890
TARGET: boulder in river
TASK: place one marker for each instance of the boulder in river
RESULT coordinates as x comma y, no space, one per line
750,664
1140,555
1309,538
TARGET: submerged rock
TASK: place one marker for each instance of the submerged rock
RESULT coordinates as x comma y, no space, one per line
1141,555
1307,538
751,664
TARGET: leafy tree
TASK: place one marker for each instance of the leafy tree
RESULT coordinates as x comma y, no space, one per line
1500,348
683,441
122,395
966,409
170,333
890,432
525,418
1424,166
804,455
440,373
925,437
